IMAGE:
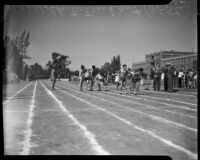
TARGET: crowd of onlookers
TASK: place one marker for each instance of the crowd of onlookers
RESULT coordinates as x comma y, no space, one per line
169,77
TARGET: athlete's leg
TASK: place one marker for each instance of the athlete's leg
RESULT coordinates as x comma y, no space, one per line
54,79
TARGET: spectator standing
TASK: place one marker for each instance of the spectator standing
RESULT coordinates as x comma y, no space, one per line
175,78
157,77
190,79
169,78
180,77
186,79
162,80
195,81
165,78
152,73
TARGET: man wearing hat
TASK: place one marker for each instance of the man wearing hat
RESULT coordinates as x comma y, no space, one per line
157,77
169,77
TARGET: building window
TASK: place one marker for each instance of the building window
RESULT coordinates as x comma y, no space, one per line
178,61
184,60
187,60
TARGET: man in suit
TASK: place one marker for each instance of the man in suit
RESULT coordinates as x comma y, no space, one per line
156,77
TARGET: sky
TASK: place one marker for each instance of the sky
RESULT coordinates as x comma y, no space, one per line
92,35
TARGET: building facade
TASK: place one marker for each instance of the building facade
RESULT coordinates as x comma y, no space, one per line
181,60
142,64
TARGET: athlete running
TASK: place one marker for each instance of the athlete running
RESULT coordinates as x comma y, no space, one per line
123,77
81,77
55,68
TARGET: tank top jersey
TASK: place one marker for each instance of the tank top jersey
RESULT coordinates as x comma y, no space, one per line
124,73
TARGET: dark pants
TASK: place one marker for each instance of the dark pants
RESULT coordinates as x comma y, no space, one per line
156,83
92,83
169,83
81,84
135,86
186,83
165,84
175,82
180,82
55,76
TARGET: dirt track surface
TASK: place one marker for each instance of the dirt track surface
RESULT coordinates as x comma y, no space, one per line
66,121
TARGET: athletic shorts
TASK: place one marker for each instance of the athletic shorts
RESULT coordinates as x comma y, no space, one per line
123,79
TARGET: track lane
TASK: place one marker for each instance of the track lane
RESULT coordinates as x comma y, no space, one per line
7,99
148,132
157,127
149,100
89,135
174,96
176,110
15,114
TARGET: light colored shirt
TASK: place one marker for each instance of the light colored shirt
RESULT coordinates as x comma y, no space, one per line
162,76
99,76
180,74
81,74
117,78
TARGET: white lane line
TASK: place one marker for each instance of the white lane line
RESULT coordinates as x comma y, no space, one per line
26,144
49,110
143,104
16,111
163,120
11,97
174,98
170,93
167,104
152,134
169,100
90,136
151,106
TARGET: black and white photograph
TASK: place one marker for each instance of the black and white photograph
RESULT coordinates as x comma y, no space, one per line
100,80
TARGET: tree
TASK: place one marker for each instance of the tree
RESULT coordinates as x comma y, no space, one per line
63,60
35,71
14,59
115,63
22,44
76,73
48,65
16,52
25,71
106,67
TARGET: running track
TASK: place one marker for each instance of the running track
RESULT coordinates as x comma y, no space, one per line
42,121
